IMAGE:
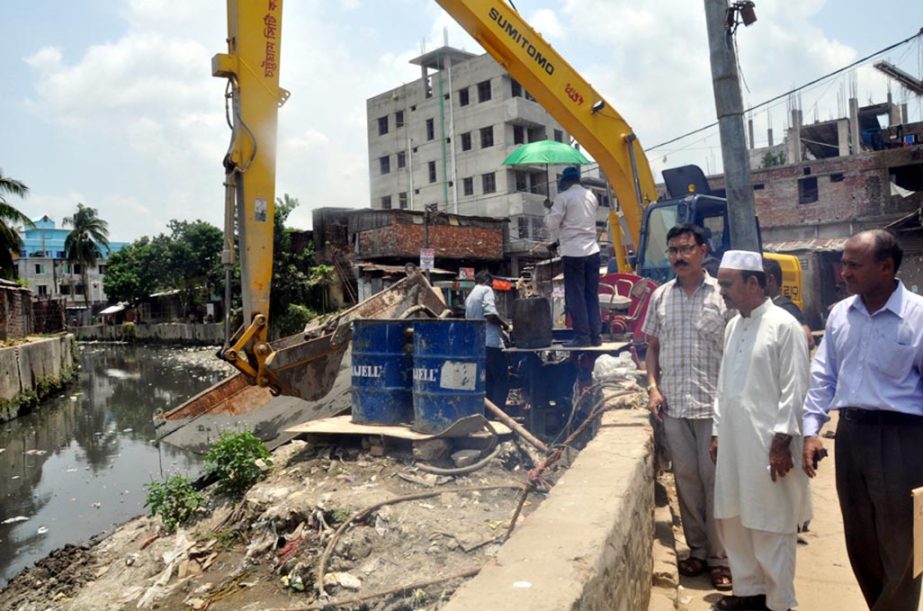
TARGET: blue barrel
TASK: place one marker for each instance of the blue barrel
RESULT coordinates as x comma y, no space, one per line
382,372
448,372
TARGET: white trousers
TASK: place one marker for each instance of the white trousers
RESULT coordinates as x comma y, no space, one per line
761,562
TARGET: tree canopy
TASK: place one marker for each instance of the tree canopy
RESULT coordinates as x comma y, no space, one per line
10,219
85,242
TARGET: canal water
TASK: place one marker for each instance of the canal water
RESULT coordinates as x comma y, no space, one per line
77,465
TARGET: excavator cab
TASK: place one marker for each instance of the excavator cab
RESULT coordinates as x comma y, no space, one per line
706,211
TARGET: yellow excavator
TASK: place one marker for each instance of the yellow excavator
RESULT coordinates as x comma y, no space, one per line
306,365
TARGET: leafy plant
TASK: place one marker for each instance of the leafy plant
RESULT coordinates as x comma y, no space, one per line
174,500
128,330
232,459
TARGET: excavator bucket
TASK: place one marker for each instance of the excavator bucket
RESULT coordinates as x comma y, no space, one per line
312,370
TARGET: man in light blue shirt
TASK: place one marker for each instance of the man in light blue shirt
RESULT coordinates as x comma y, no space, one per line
869,366
481,304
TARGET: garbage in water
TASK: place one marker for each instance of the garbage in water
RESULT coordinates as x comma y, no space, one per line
42,530
34,452
14,520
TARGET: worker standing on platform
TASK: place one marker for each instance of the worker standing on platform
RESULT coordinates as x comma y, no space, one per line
481,304
870,367
572,222
685,333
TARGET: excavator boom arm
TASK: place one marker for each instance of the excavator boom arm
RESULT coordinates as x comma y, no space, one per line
567,96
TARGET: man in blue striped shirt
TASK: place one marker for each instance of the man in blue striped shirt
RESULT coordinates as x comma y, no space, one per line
869,367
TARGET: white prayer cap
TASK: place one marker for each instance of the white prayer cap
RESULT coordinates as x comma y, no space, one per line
743,260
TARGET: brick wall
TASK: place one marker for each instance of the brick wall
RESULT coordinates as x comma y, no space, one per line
457,242
15,312
48,315
852,193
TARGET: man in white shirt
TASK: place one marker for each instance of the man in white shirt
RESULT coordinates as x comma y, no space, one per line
760,498
572,222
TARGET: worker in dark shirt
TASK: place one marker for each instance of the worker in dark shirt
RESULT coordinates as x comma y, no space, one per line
774,291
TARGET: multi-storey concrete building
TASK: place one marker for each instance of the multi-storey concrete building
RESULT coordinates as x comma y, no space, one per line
42,264
440,141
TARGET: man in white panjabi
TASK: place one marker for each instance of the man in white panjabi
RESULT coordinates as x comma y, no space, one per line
759,498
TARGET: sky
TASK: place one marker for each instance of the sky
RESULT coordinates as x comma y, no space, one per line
111,103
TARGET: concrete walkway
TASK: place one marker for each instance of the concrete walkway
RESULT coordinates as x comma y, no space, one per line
823,578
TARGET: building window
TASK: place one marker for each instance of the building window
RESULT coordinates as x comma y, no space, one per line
402,200
489,183
522,225
39,268
487,136
519,134
466,141
522,181
401,160
807,190
558,136
384,164
483,91
399,119
102,269
78,269
386,202
42,289
463,99
432,171
382,125
78,289
468,186
430,129
515,88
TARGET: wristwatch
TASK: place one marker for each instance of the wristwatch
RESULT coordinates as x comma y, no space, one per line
651,387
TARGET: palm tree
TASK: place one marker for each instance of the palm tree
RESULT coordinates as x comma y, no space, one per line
10,217
84,243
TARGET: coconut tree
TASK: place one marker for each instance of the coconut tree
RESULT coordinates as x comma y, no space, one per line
10,219
84,243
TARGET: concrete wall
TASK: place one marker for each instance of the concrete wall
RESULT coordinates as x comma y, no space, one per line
30,372
454,123
588,546
208,334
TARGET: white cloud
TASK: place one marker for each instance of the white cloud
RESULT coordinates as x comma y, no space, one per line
546,22
46,58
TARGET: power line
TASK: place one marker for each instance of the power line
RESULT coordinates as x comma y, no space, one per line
795,90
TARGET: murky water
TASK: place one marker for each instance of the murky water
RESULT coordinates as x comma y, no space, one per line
78,464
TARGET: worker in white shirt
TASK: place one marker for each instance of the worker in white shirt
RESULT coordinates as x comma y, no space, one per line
572,222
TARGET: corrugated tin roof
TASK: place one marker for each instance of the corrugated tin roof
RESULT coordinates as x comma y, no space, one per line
397,269
815,245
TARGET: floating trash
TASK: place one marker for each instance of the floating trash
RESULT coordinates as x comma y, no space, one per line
14,520
42,530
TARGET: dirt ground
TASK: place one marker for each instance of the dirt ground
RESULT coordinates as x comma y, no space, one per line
262,553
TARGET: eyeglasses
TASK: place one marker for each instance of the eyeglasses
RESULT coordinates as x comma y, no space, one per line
688,249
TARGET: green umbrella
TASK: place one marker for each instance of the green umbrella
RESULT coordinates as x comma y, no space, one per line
548,152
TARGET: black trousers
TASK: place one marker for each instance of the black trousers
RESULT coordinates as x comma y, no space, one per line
581,295
497,382
877,465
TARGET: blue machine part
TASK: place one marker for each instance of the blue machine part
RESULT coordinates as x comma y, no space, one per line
382,367
448,372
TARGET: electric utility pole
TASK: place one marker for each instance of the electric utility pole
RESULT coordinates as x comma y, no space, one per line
721,22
